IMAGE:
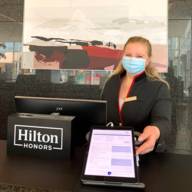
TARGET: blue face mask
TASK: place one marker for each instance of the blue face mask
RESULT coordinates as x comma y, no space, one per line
133,65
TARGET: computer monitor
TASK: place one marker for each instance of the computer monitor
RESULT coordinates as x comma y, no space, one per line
87,112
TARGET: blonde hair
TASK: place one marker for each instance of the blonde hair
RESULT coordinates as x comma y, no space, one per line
150,70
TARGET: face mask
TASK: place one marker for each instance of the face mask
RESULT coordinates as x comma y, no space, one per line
133,65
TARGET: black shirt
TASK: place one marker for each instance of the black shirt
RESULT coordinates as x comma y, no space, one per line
152,105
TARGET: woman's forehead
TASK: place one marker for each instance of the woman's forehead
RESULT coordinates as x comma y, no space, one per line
136,47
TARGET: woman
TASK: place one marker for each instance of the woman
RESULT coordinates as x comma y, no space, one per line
137,96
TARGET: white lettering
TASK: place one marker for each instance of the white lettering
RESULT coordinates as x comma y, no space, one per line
25,145
39,137
25,135
29,135
30,146
37,146
49,147
34,136
46,138
54,139
45,147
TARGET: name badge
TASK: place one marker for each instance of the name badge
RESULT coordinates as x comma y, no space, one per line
128,99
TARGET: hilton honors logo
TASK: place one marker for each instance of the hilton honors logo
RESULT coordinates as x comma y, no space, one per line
38,137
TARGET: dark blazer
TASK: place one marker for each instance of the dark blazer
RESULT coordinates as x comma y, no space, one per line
152,106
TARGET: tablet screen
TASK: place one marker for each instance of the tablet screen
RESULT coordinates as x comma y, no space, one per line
111,154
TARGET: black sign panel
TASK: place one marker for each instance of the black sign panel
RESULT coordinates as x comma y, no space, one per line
39,135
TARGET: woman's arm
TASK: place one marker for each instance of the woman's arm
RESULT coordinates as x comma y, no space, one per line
160,121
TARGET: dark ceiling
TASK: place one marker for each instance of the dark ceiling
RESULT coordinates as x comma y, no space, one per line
12,10
180,9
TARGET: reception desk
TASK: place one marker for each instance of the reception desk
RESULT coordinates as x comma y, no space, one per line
160,172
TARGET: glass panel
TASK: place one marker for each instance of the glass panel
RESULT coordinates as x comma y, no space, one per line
180,79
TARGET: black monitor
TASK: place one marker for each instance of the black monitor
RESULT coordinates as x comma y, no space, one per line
86,112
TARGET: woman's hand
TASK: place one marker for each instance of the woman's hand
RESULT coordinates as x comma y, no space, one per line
149,137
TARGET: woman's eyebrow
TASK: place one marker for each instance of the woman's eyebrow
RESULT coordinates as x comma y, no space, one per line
128,54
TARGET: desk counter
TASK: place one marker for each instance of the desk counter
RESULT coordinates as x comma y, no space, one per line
160,172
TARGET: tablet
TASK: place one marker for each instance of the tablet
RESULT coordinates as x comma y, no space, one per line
111,158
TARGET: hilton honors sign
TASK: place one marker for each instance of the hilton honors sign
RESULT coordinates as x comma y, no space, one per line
39,135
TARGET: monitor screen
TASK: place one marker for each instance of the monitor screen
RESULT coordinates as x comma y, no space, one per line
87,112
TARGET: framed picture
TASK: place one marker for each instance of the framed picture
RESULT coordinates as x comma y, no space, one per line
83,34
